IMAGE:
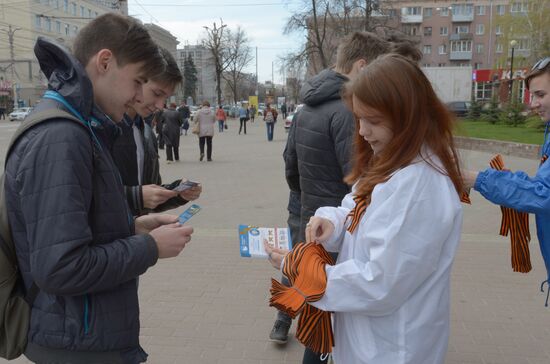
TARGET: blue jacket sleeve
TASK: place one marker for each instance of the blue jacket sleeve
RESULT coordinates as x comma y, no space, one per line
516,189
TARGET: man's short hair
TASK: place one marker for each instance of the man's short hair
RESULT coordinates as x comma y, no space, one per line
360,45
404,45
171,75
124,36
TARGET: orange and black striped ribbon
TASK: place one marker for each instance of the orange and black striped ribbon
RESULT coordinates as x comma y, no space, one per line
305,269
515,224
544,158
357,213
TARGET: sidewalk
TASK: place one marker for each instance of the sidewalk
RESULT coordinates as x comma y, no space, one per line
210,306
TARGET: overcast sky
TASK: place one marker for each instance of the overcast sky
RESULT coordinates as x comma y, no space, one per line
263,21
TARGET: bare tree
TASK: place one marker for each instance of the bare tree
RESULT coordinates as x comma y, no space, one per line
240,56
216,41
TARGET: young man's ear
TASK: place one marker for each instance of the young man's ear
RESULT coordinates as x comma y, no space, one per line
104,60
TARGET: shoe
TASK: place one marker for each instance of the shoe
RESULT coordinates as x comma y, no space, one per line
209,160
168,162
202,157
279,333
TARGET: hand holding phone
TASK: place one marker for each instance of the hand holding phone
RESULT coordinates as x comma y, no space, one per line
189,213
185,185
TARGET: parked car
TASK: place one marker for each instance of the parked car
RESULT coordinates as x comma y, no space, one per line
290,117
20,113
459,108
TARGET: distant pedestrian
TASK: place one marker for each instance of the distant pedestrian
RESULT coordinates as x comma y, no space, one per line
221,117
243,112
3,112
284,110
253,112
270,117
206,120
184,115
158,121
171,132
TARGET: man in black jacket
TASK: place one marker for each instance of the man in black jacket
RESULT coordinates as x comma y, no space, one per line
135,154
74,236
318,151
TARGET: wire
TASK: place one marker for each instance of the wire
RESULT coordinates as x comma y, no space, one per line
151,15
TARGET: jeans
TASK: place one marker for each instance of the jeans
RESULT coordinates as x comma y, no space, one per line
220,126
243,123
208,140
169,150
270,127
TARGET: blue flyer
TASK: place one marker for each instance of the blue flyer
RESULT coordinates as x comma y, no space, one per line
251,240
187,214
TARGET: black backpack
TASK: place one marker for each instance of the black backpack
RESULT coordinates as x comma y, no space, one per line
15,305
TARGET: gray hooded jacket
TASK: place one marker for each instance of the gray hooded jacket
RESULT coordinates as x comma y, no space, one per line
73,232
318,151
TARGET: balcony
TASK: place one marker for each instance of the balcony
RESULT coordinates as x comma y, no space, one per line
460,56
411,19
462,36
461,18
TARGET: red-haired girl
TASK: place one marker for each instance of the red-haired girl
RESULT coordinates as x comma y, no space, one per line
398,230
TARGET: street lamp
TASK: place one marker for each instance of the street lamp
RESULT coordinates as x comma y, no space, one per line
513,44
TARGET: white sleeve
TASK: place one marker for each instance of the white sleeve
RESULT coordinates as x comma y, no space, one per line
338,216
399,243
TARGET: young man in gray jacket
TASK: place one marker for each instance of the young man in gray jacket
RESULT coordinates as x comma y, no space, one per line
75,238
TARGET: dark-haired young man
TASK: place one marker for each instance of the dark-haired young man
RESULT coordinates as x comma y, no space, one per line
75,238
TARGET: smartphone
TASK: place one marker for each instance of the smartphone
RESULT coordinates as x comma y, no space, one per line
189,213
185,185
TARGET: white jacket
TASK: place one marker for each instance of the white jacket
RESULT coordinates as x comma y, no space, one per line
390,287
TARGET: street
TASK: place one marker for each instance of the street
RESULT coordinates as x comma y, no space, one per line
210,306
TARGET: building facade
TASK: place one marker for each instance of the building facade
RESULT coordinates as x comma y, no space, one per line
206,71
21,23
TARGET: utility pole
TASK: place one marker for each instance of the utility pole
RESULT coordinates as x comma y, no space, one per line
257,91
11,32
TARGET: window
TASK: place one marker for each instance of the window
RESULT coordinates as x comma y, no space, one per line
66,6
480,29
462,9
427,49
478,65
444,11
75,29
427,12
412,10
498,30
461,46
96,14
442,49
73,9
89,13
67,29
483,90
501,9
56,4
427,31
82,12
393,13
37,21
410,29
480,48
499,48
58,27
443,31
480,10
461,29
441,64
523,44
47,24
519,7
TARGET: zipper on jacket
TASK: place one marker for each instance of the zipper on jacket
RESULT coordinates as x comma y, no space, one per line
86,315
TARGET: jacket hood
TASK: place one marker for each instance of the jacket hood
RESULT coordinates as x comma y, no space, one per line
323,87
65,74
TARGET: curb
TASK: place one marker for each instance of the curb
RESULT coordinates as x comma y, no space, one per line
530,151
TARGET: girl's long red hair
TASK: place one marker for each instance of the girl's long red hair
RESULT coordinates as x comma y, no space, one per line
398,89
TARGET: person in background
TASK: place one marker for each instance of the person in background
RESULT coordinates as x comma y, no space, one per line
185,114
270,117
517,190
221,117
284,110
171,120
206,120
243,111
253,112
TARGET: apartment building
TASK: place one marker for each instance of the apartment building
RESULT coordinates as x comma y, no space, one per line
206,71
21,22
471,33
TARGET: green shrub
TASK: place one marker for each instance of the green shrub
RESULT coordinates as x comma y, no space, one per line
492,113
476,108
513,114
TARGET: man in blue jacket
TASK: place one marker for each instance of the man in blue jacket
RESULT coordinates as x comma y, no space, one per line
75,238
517,190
